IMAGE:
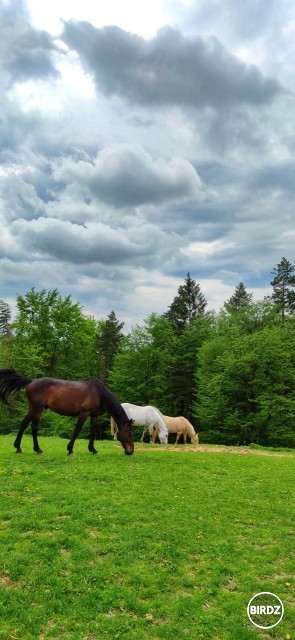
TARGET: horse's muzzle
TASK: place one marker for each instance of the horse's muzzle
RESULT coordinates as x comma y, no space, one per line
128,453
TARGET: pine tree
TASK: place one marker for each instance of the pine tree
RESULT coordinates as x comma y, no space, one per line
239,299
283,288
108,342
187,305
5,317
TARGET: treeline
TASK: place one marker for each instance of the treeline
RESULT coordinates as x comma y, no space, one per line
231,374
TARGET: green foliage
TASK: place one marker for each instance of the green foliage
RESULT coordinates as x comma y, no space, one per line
246,387
185,359
5,318
143,366
230,375
108,339
187,305
283,288
52,337
238,300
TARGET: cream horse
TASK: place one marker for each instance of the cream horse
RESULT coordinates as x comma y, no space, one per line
180,426
148,417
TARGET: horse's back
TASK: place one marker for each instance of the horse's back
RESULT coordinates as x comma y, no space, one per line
175,423
143,415
67,397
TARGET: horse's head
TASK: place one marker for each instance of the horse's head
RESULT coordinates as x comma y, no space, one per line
125,436
195,439
163,438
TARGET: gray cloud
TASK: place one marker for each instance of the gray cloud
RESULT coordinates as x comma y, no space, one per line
182,159
24,52
169,69
95,243
126,175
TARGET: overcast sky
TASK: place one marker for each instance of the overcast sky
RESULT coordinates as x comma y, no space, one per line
141,140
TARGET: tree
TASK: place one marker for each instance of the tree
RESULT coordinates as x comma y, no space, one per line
108,341
239,299
52,337
248,318
5,333
187,305
246,387
185,362
283,288
5,317
142,367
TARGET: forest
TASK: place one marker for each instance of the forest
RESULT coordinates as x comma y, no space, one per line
230,373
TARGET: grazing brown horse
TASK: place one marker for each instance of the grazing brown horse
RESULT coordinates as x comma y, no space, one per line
84,399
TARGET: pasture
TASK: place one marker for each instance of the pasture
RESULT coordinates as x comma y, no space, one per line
163,545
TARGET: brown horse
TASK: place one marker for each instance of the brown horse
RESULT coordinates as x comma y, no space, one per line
87,398
182,427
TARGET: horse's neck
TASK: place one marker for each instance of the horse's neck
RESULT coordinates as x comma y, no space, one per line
190,428
114,408
161,421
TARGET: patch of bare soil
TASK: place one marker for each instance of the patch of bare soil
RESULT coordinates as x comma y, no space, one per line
211,448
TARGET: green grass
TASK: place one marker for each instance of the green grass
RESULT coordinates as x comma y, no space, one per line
165,544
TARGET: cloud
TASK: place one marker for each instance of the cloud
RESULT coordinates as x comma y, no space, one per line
24,52
96,243
168,69
172,155
127,176
246,20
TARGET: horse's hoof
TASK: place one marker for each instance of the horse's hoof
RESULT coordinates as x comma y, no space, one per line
39,453
95,453
18,451
71,454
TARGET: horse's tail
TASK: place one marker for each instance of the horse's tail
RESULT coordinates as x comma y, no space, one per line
10,382
191,432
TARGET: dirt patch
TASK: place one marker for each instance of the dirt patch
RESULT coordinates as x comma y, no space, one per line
211,448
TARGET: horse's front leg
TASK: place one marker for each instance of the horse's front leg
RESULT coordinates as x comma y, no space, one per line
35,424
78,428
143,434
93,435
23,425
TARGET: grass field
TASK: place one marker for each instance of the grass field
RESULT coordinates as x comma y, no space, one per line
166,544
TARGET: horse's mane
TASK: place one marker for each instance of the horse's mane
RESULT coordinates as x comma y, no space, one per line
190,427
159,413
111,403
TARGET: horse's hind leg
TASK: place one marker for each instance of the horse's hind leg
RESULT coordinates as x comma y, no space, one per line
23,425
35,425
93,436
154,435
78,428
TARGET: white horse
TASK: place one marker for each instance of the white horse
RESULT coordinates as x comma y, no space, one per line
148,417
182,427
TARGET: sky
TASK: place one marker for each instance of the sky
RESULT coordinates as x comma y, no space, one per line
140,141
